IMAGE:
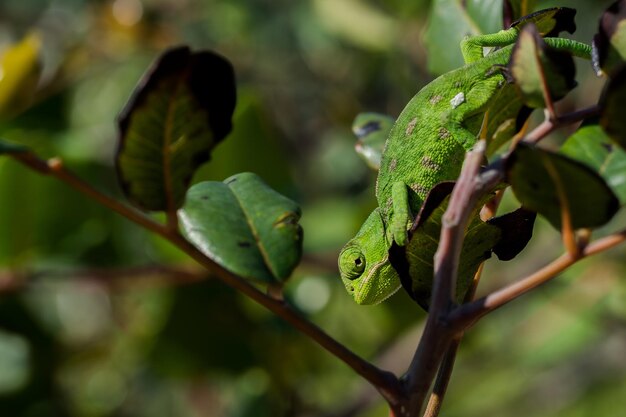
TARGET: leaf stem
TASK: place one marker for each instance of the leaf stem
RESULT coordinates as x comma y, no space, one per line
385,382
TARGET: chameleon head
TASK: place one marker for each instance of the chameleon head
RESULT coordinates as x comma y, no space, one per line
364,264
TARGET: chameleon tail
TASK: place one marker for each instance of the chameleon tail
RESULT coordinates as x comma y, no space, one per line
579,49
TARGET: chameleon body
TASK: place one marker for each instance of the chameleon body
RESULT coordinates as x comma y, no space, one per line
426,146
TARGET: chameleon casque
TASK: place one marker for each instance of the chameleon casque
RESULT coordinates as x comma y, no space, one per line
427,145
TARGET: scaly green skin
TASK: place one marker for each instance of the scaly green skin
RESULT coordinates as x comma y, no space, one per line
426,146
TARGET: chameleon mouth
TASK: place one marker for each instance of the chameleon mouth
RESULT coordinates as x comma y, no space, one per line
377,285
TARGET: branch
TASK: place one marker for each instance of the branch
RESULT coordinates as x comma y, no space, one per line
54,167
466,315
438,334
445,370
550,125
385,382
443,378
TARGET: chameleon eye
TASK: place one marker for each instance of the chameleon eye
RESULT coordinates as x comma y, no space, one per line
351,263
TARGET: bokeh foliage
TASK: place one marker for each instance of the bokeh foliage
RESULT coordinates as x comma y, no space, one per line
77,341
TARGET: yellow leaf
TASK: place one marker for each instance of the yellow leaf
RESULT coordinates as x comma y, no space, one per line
19,74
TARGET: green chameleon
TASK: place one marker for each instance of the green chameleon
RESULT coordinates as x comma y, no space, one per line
427,145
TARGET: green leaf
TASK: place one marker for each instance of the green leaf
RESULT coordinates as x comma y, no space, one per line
180,110
550,22
452,20
591,146
612,104
544,181
505,118
534,68
19,74
372,130
414,262
609,44
245,226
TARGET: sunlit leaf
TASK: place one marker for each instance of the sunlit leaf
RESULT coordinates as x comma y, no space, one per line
19,75
545,182
591,145
609,44
506,116
180,110
372,130
534,68
612,102
245,226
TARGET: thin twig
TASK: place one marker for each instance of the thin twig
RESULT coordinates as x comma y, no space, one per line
385,382
447,365
550,125
443,379
466,315
54,167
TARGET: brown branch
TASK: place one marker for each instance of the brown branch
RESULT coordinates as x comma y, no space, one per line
447,365
385,382
438,334
550,125
466,315
443,378
54,167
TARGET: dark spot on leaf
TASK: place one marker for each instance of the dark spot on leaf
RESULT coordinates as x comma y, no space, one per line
608,147
244,244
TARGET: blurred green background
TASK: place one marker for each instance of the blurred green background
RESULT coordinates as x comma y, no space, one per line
99,318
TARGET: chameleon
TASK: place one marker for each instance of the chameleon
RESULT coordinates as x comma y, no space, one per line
426,146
